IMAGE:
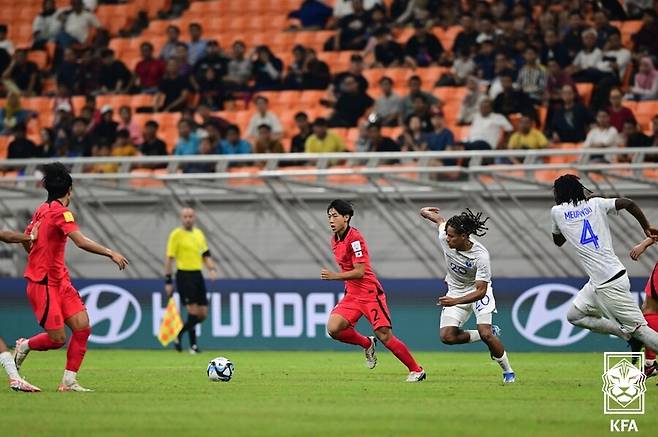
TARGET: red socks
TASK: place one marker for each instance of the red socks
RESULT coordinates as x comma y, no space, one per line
403,354
350,336
77,349
41,342
652,320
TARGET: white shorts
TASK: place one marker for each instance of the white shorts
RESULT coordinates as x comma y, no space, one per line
459,314
612,300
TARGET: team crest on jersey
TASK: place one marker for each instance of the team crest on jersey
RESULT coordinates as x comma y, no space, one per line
469,263
356,246
68,217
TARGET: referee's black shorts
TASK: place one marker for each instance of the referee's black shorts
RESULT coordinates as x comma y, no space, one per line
192,287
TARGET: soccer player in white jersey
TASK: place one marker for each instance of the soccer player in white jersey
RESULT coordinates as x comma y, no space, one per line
469,285
604,304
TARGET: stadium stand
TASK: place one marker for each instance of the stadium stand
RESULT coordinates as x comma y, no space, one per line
441,44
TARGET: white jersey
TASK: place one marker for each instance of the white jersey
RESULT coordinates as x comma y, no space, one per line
464,267
586,227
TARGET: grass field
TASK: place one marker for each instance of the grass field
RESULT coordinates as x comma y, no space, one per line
315,393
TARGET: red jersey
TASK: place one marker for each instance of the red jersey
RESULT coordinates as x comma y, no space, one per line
350,250
46,259
652,285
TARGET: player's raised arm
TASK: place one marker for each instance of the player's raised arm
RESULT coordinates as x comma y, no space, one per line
632,207
641,247
18,237
89,245
432,214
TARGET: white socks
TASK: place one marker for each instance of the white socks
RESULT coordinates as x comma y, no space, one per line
474,334
69,377
503,362
7,362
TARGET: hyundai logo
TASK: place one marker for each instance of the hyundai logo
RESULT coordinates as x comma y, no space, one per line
541,315
112,304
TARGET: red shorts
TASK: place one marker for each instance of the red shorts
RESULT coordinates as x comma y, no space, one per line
375,310
53,304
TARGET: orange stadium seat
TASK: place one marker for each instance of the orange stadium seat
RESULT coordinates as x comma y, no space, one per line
245,181
4,145
349,178
585,91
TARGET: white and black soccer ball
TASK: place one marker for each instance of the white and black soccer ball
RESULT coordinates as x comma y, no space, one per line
220,369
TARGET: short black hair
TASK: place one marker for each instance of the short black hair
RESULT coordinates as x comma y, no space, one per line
265,126
386,79
123,133
56,180
301,114
469,223
568,189
320,121
152,123
342,207
233,128
265,99
356,58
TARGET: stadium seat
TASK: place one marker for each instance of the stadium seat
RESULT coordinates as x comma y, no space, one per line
585,92
144,182
349,178
309,178
245,181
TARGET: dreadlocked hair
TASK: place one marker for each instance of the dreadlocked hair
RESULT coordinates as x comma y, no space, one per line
469,223
568,189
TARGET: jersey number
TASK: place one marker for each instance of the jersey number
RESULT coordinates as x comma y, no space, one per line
588,235
375,315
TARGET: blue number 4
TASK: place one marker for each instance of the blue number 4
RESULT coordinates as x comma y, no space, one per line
588,235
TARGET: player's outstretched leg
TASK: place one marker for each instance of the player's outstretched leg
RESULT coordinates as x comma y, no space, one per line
497,351
79,324
401,351
595,323
45,341
340,329
16,383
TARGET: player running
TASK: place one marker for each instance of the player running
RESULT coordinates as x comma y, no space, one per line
604,304
469,285
54,300
364,295
650,306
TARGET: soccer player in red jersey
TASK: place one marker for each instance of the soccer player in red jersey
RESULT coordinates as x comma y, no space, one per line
53,298
364,295
650,306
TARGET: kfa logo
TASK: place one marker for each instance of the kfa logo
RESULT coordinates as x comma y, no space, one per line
623,383
540,315
114,313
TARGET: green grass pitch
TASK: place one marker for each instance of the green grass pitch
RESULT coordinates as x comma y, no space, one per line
156,393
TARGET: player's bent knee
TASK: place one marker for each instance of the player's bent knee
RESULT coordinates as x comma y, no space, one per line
448,338
58,338
334,331
384,334
574,315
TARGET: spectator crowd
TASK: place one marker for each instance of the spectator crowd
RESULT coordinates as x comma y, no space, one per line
534,73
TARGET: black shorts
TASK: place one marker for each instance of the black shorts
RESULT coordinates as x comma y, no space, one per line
192,287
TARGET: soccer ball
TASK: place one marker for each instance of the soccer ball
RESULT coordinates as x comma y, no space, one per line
220,369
